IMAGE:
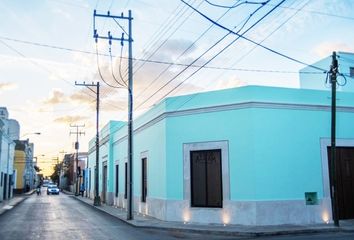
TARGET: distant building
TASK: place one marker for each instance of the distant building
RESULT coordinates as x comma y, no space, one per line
311,78
9,131
250,155
68,173
26,177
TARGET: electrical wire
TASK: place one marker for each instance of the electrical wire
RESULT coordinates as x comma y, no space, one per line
165,41
216,43
99,71
163,29
150,61
120,67
268,36
123,85
252,41
227,46
318,13
184,52
232,6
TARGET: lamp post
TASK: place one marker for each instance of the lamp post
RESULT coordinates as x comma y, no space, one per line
33,133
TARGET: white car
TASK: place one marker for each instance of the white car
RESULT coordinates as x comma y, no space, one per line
52,189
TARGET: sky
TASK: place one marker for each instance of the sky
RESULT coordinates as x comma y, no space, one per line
47,45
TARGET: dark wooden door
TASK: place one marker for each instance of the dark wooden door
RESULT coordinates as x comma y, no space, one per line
345,180
104,184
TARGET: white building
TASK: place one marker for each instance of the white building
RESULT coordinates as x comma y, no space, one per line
314,79
9,131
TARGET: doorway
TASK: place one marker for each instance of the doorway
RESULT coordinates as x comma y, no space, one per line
104,182
345,180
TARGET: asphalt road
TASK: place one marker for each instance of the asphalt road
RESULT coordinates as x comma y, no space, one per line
61,217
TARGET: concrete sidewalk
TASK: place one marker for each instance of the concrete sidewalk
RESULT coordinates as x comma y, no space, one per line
143,221
11,203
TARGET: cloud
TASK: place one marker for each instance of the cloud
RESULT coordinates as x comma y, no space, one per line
70,119
62,13
7,86
325,49
56,97
231,82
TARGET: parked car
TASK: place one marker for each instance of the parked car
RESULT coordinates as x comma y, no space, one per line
52,189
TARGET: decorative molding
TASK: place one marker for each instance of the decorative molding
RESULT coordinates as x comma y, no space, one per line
235,106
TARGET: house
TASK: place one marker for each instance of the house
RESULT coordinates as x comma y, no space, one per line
25,173
9,131
314,79
68,173
251,155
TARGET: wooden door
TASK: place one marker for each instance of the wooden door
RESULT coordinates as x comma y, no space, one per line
104,183
345,181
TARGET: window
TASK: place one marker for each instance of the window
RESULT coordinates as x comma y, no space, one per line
351,71
143,179
126,181
206,178
117,177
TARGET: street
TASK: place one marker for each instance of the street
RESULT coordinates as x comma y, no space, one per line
62,217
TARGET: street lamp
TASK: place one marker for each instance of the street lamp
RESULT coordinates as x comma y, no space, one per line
34,133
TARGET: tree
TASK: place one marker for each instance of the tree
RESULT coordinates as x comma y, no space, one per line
37,169
56,173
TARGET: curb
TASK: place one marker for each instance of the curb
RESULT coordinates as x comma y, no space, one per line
12,205
229,232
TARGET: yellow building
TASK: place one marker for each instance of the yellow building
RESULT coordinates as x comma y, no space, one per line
19,167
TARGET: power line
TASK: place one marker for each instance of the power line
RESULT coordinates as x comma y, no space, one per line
99,71
221,39
165,41
252,41
144,60
318,12
268,36
232,6
187,49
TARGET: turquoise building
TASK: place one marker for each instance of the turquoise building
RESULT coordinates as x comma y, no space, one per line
250,155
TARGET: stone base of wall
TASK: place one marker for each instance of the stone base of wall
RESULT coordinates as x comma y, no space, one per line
19,190
256,213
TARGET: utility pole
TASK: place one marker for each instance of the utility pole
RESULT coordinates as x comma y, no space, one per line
61,169
130,94
78,133
97,198
333,72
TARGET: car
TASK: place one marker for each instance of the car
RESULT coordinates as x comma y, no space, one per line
45,183
52,189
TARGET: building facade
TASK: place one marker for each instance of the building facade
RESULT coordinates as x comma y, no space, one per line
25,173
9,131
68,171
314,79
250,155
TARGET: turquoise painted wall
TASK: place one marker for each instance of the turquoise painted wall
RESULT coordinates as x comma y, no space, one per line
152,141
266,145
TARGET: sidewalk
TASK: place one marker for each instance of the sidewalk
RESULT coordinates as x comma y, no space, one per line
11,203
219,229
